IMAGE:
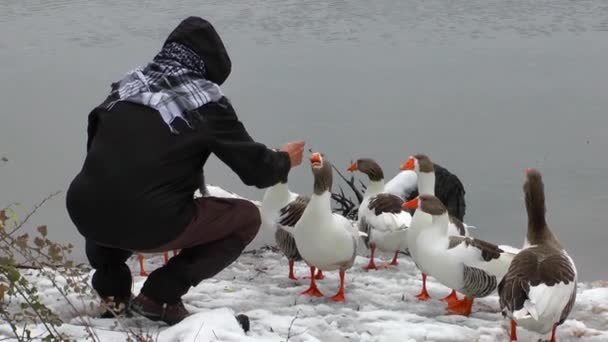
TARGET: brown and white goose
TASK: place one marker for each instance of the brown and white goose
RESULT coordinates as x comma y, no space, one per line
290,214
539,289
470,266
326,240
276,200
425,170
381,215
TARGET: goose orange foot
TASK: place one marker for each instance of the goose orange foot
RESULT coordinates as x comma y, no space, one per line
513,331
142,271
424,294
292,275
372,263
461,307
313,290
339,297
319,276
393,262
553,333
451,298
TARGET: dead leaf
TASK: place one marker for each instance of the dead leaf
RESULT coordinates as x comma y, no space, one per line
42,230
3,289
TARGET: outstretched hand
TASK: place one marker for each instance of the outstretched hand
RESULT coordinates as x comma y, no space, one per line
295,149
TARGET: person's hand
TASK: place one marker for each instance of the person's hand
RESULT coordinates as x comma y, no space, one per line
295,149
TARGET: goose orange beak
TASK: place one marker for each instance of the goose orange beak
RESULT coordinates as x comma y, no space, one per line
411,204
410,164
315,158
353,167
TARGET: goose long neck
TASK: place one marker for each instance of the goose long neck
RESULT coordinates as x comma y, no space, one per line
374,187
320,203
277,192
538,230
426,183
441,223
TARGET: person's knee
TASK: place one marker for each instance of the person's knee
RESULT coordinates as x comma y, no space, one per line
251,221
100,256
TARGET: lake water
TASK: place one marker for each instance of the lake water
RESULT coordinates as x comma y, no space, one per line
486,88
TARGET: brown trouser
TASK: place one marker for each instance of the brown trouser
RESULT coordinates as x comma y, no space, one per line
216,219
215,238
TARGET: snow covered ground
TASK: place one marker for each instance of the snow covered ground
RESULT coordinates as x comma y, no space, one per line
380,306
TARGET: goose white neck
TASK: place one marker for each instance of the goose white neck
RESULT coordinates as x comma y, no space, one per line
318,209
277,192
441,223
322,201
374,188
426,183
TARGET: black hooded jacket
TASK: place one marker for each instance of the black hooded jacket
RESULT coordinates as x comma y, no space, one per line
135,189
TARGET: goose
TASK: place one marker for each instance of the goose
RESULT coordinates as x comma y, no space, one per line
276,198
539,289
381,215
327,241
470,266
403,184
424,168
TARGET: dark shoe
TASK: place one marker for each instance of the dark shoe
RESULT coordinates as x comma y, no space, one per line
168,313
113,306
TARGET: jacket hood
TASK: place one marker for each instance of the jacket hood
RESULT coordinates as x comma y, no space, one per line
200,36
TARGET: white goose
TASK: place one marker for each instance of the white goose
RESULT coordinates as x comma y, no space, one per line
539,290
470,266
276,198
326,240
422,165
381,215
402,184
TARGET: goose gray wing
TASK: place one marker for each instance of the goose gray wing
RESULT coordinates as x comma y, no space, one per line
488,250
456,222
477,282
379,204
365,228
385,203
289,216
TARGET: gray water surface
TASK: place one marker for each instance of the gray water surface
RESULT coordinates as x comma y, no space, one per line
486,88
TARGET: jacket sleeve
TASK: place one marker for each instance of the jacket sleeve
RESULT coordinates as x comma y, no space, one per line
254,163
91,128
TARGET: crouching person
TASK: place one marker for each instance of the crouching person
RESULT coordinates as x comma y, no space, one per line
147,144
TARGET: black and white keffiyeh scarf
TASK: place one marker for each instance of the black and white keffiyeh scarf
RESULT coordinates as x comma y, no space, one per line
173,83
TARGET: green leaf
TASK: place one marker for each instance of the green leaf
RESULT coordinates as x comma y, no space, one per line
13,275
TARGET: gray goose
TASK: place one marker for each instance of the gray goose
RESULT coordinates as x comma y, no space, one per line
381,214
539,289
289,216
427,183
280,211
470,266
